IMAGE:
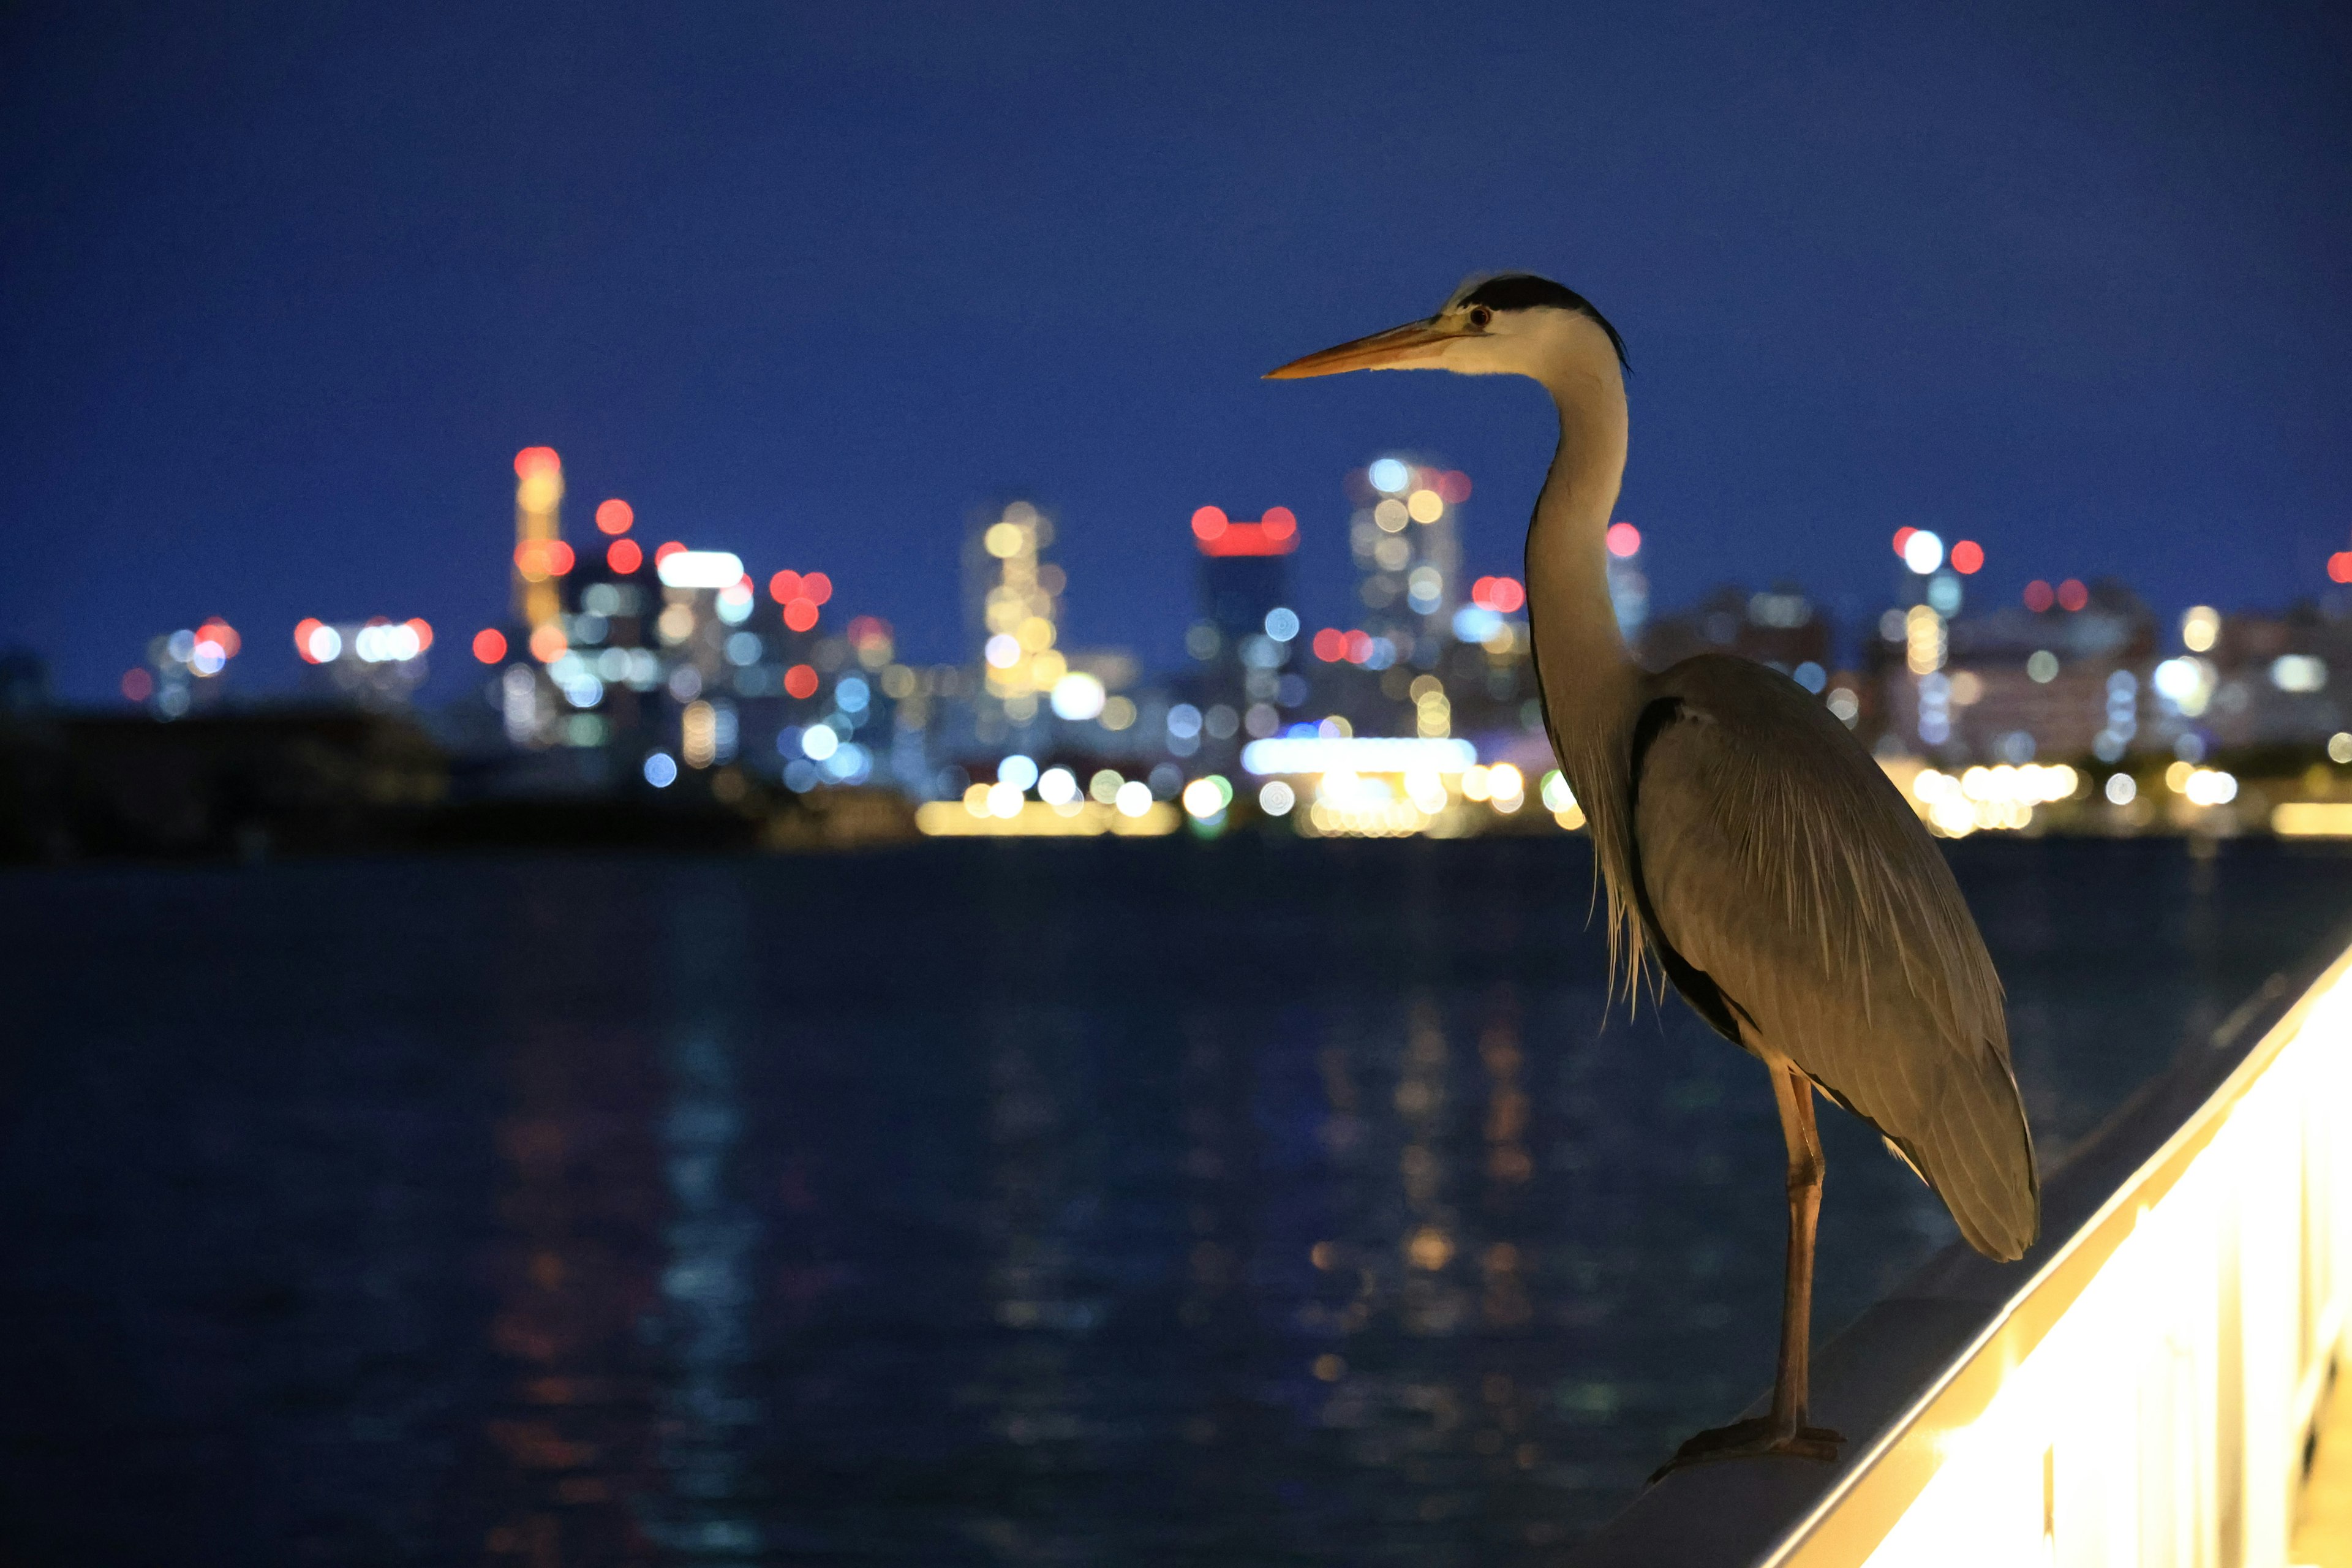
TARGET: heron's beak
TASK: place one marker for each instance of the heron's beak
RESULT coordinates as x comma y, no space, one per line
1399,347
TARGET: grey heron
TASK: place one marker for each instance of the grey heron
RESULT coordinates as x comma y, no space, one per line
1752,852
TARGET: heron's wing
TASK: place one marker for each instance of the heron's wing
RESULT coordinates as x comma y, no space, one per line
1780,864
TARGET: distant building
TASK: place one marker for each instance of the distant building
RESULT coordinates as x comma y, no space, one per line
1780,626
2019,683
1403,535
2243,680
1241,686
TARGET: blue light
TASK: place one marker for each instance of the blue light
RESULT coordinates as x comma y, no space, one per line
851,693
1472,624
1390,475
800,776
1017,771
1282,624
788,741
661,771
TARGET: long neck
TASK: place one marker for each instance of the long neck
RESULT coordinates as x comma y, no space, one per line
1591,688
1589,683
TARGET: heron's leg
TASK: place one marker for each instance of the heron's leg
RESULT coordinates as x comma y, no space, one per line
1791,1387
1784,1430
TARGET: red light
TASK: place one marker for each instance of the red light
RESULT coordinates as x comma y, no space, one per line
536,460
1359,646
489,645
1902,538
303,631
2339,566
1482,592
816,587
1279,522
615,515
222,635
867,630
138,685
1453,487
1331,645
1506,595
2072,596
801,614
548,644
801,681
664,552
1624,540
2038,596
623,556
559,557
424,630
785,587
1208,523
1967,556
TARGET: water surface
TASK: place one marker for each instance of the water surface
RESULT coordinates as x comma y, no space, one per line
1252,1202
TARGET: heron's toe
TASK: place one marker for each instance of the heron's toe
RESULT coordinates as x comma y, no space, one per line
1752,1439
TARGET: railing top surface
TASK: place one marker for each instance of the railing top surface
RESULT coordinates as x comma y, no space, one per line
1948,1335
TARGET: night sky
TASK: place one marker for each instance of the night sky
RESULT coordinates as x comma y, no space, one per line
283,290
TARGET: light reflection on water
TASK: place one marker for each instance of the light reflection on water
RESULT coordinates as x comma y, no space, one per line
1135,1203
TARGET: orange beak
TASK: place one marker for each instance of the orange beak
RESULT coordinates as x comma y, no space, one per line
1399,347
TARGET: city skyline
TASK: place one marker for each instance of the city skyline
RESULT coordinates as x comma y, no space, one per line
284,290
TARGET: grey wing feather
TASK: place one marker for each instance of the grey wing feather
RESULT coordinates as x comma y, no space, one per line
1778,859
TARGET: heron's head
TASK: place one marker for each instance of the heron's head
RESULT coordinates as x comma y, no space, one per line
1511,324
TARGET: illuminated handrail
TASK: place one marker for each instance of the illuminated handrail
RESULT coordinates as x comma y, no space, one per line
2138,1390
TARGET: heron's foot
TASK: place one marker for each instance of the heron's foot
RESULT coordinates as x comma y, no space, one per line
1749,1439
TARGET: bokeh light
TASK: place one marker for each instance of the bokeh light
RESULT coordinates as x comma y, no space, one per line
1624,540
615,515
1967,557
489,645
623,556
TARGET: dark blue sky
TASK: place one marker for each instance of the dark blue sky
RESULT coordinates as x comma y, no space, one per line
283,290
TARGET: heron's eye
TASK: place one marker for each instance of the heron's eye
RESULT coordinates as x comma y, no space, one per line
1481,317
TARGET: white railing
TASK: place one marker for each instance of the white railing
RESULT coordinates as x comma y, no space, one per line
2140,1392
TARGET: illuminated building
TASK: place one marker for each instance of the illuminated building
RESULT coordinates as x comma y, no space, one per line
2062,675
539,536
376,663
1402,535
1015,597
1246,637
186,670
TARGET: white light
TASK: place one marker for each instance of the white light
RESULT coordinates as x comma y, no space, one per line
1017,771
2121,789
1357,753
1923,551
1389,476
1276,798
735,602
1134,798
2211,787
2290,672
700,569
1078,696
819,742
1003,651
1183,720
182,646
326,645
1058,786
1282,624
1557,795
207,657
1202,798
661,771
1003,801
